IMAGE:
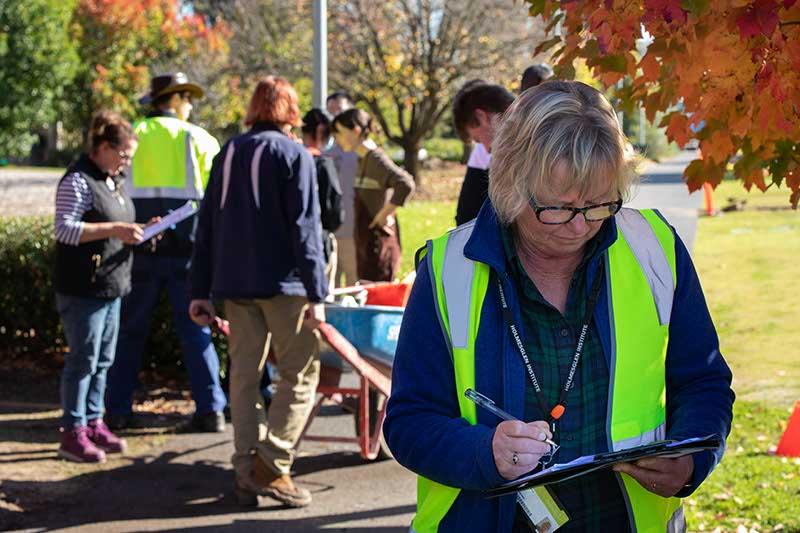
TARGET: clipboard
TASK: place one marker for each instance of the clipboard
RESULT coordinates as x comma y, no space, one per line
182,213
591,463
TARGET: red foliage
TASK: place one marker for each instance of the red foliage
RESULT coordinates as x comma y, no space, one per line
733,64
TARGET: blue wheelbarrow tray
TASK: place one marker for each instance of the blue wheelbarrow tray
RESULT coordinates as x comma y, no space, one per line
372,329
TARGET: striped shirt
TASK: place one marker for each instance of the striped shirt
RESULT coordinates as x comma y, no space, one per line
73,200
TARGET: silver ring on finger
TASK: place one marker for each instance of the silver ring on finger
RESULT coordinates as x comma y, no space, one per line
515,458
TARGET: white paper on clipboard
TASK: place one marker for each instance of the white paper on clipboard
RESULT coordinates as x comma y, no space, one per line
182,213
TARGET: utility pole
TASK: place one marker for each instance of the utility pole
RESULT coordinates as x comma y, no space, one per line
320,53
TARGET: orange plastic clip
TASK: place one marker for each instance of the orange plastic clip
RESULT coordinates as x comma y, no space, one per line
557,411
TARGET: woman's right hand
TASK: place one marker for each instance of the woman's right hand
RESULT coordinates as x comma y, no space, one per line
127,233
523,440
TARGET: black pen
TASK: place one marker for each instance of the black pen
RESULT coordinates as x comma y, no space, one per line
488,404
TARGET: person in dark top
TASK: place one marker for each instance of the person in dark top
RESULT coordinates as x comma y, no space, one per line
471,99
94,229
477,108
258,249
316,130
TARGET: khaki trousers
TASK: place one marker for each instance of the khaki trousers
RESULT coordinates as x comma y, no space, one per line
346,261
273,435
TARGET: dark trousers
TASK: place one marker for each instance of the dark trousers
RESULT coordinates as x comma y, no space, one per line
151,275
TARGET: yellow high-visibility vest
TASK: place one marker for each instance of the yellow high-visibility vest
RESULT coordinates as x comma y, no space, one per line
173,159
641,279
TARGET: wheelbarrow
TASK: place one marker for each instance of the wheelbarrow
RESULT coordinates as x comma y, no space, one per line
365,338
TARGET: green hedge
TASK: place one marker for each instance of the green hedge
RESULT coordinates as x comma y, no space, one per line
29,323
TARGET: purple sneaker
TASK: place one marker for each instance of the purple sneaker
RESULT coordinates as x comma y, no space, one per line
77,447
104,439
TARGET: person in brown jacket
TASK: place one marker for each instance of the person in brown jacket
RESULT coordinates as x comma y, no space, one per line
381,187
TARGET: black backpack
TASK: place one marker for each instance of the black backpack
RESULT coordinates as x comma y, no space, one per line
330,194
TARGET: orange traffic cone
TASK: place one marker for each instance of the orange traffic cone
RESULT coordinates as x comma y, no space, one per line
789,446
708,195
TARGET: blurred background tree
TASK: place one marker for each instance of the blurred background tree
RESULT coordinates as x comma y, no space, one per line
37,61
406,58
118,42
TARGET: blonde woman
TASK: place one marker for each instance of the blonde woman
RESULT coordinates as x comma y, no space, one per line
583,320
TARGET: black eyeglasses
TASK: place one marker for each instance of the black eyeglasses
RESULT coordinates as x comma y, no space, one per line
562,215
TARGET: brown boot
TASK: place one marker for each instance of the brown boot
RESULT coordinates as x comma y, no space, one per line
264,482
244,495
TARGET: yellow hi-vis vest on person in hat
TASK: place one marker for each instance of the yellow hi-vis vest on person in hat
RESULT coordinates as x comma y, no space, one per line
173,159
641,279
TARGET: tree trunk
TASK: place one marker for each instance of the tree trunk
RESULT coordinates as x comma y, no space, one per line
411,161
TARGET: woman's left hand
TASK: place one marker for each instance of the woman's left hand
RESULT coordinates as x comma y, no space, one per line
154,220
665,477
384,219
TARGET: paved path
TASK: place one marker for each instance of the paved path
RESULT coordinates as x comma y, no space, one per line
183,483
28,191
663,189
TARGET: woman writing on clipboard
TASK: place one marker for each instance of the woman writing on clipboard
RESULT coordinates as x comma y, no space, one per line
582,319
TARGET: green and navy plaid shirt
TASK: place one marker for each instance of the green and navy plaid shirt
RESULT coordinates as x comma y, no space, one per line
593,502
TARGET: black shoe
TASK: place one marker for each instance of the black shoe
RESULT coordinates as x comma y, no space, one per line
213,422
117,421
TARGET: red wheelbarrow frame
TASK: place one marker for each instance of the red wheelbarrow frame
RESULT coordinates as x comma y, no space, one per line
370,377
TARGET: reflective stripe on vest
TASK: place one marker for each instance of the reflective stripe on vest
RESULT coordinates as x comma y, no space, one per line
637,387
165,164
641,284
459,298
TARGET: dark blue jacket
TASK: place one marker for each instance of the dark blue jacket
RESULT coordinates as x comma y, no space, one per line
259,231
423,426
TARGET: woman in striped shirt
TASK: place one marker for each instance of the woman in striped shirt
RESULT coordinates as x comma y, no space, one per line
94,227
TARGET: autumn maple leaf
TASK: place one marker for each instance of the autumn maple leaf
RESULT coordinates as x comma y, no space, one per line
761,17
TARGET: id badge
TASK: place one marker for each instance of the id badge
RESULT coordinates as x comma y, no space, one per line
541,509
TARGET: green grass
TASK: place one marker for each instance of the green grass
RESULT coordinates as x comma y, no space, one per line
420,221
749,487
747,264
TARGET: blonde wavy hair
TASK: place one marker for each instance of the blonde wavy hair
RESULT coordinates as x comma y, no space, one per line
558,123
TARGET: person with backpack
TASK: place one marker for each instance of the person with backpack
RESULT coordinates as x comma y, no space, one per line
316,131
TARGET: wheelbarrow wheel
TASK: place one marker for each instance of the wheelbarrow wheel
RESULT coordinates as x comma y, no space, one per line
376,402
